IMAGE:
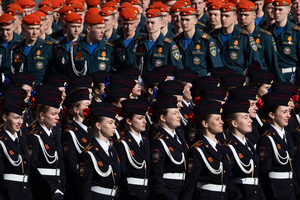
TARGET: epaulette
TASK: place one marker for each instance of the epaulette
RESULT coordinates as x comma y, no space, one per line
74,44
197,144
265,31
33,132
266,134
295,27
88,147
68,128
47,42
55,41
168,40
110,44
244,32
205,36
227,142
122,138
158,136
200,23
82,34
22,37
1,137
33,123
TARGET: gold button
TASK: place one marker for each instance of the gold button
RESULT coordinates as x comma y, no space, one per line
24,187
255,192
59,181
25,162
291,185
145,191
114,187
115,174
224,171
255,166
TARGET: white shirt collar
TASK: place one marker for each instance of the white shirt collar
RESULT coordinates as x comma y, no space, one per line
186,103
171,133
281,133
213,143
82,126
105,145
136,138
243,141
46,130
13,137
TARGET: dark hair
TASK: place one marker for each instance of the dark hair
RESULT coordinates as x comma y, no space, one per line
156,115
113,100
256,85
71,110
4,112
146,94
227,121
123,124
264,112
41,108
92,120
199,119
97,86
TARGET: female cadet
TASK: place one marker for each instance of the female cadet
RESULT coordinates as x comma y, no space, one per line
168,151
44,146
209,173
241,151
75,138
14,160
134,151
275,148
100,168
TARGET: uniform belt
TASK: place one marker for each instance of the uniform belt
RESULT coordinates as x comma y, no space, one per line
137,181
174,176
288,70
16,177
49,172
281,175
104,191
246,181
211,187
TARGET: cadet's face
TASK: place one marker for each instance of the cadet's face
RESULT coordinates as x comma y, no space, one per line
32,32
82,105
187,95
153,24
74,29
55,14
109,22
7,32
296,7
259,6
108,127
97,31
42,27
262,90
169,3
50,19
129,27
281,116
28,89
137,90
63,95
13,122
172,119
269,10
188,22
214,17
246,18
199,6
27,11
175,19
228,18
244,123
215,124
50,118
253,109
138,123
165,19
281,13
145,4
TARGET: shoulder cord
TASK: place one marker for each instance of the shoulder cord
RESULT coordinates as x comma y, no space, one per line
184,120
150,121
170,155
14,163
117,134
212,170
277,155
77,144
102,174
78,73
131,159
240,163
55,156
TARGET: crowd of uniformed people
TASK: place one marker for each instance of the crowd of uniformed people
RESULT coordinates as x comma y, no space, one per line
150,100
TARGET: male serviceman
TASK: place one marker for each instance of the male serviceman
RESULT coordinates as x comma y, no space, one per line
238,49
198,49
165,11
108,15
49,15
260,16
214,16
125,45
154,49
199,6
175,16
265,43
44,26
269,13
17,11
33,54
8,39
296,11
73,26
93,53
287,36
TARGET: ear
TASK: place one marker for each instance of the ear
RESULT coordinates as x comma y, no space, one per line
128,121
162,118
42,115
98,126
234,123
204,123
97,91
150,91
88,29
4,117
271,115
76,110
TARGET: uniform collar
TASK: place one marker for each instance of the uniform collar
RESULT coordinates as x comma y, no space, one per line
105,145
170,133
84,127
46,130
213,143
281,133
13,137
243,141
138,139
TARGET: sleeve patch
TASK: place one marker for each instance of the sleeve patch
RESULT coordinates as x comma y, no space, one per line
82,169
262,152
66,148
30,151
155,154
176,54
191,164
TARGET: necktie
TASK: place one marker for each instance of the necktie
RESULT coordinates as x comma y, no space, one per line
142,146
17,141
284,137
178,140
246,144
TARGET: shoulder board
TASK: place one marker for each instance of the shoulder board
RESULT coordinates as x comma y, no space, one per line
197,144
267,133
227,142
87,148
1,137
82,34
205,36
22,37
244,32
158,136
295,27
74,44
33,132
33,123
56,41
265,31
200,23
122,138
68,128
47,42
110,44
167,40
